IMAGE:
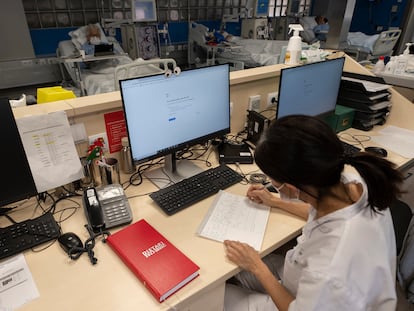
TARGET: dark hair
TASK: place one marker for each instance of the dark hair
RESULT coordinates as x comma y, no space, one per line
305,151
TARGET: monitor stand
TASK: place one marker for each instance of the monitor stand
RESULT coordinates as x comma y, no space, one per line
172,172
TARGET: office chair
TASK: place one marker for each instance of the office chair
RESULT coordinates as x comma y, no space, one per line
402,217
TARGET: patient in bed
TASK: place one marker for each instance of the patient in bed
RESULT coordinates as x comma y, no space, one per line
93,37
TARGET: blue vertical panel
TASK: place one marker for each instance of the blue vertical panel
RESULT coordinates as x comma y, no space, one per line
45,41
262,8
373,16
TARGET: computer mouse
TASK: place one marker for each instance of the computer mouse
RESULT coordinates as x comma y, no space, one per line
69,240
377,150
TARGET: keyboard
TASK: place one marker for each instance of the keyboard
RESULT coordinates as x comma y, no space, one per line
349,149
21,236
195,188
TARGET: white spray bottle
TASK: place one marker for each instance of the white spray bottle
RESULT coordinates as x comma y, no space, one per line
294,48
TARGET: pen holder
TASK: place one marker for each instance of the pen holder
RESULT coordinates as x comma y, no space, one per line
88,179
109,171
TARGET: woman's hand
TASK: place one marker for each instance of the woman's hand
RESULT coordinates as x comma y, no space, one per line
243,255
259,194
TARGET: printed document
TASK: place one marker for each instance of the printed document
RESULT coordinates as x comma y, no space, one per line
235,217
50,149
17,286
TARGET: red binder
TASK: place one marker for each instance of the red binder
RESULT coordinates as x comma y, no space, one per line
162,267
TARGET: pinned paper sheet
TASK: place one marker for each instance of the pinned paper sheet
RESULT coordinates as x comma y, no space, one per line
399,140
50,150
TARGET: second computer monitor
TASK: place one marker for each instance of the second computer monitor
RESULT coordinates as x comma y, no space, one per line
310,89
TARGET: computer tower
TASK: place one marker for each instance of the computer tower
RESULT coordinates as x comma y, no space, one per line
256,125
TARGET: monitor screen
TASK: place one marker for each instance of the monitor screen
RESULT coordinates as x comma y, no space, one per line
310,89
144,11
167,114
17,182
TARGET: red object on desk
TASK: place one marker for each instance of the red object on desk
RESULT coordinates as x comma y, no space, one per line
162,267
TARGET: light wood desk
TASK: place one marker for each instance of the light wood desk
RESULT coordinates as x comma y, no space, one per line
109,285
77,285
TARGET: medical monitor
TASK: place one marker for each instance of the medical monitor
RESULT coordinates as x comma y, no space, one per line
144,11
16,178
165,114
311,89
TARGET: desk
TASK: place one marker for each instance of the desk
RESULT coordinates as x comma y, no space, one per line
77,285
110,285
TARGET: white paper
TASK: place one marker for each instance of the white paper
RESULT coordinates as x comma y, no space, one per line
50,150
17,286
235,217
399,140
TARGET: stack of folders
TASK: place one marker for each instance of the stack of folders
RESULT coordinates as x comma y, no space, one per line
162,267
370,98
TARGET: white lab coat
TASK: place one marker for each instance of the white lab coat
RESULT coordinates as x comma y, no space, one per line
345,260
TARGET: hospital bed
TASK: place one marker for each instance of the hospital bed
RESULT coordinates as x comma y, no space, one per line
239,52
368,47
100,74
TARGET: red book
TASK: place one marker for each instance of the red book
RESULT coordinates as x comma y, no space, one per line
162,267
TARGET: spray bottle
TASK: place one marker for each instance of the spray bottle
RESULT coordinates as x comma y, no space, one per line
294,48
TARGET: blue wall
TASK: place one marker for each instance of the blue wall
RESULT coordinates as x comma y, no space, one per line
45,41
374,16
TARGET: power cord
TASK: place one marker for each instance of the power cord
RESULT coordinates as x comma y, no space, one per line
76,252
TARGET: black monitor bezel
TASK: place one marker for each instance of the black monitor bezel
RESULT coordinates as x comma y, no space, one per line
284,70
184,145
22,185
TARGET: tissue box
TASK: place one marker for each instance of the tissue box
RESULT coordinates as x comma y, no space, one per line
342,118
52,94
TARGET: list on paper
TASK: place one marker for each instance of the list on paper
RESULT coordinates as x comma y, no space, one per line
235,217
50,150
17,286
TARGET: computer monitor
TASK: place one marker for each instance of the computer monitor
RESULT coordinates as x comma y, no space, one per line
168,114
16,178
311,89
144,11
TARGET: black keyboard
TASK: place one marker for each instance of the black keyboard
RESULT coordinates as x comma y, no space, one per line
21,236
195,188
349,149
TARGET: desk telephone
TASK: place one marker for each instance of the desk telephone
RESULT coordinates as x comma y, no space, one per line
106,207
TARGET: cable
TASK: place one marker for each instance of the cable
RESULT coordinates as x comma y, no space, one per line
76,252
355,139
258,178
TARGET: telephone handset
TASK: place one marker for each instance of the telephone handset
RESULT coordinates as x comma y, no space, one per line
93,209
107,207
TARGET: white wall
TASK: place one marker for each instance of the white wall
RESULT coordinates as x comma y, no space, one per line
14,32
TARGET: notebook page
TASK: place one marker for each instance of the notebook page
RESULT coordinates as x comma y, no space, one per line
235,217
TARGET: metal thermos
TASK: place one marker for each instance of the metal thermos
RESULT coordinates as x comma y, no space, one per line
127,165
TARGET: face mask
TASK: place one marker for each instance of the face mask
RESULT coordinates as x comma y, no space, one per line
94,40
286,197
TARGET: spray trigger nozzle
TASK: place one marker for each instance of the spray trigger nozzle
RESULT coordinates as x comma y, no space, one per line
296,29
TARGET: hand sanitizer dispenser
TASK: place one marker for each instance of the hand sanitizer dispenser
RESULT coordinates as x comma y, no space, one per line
294,48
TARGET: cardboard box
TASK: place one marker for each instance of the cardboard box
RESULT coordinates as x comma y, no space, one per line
52,94
342,118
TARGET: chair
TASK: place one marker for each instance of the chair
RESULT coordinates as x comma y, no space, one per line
402,217
382,46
